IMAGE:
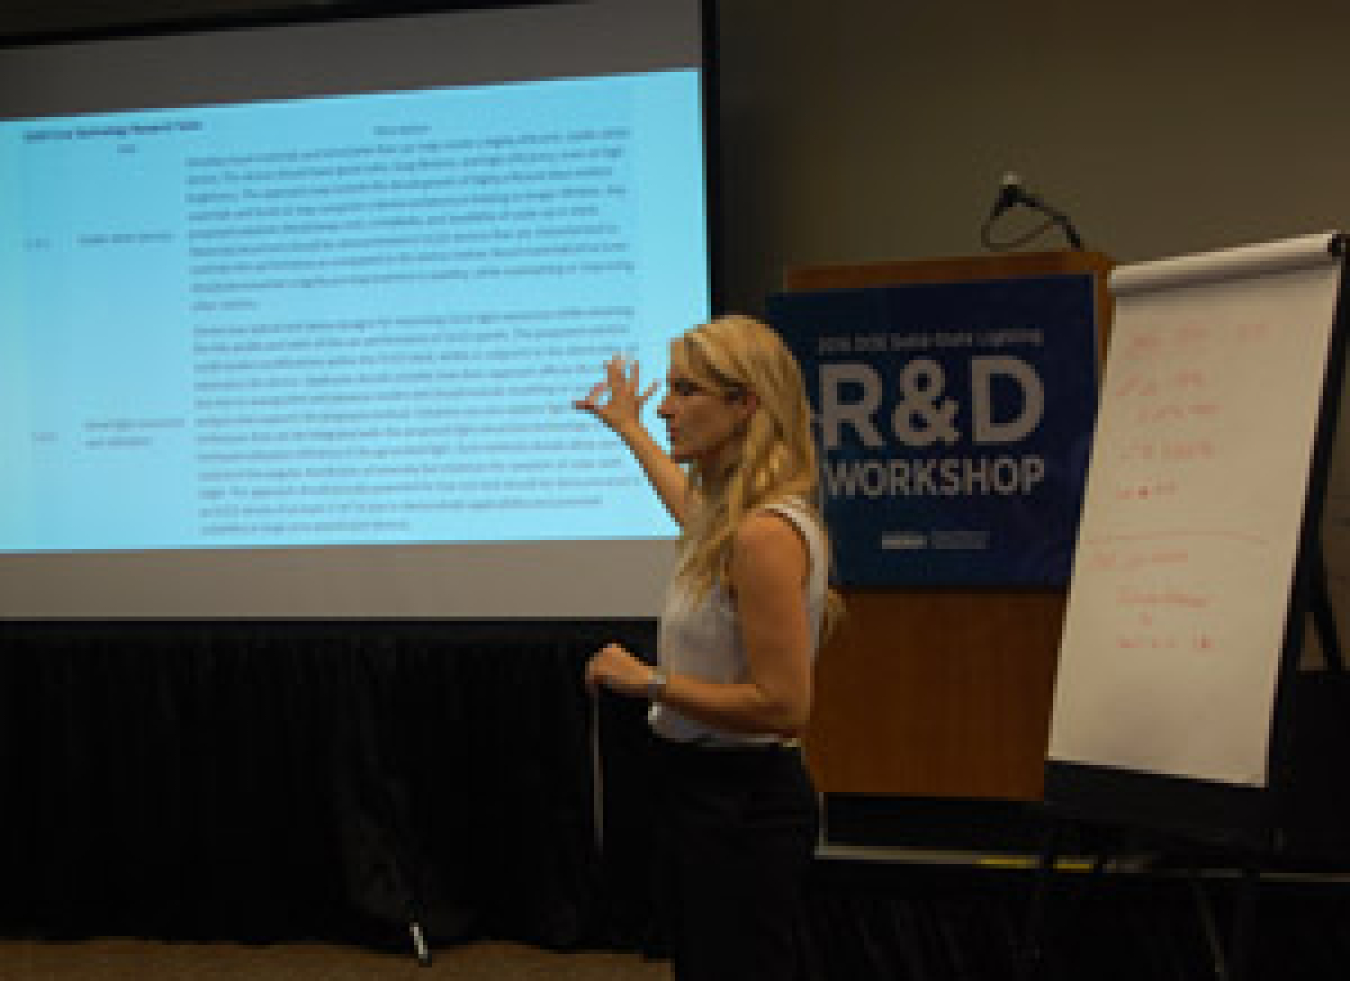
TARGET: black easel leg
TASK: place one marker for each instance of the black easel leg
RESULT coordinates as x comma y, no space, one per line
1204,911
1032,955
1324,616
1244,922
1230,962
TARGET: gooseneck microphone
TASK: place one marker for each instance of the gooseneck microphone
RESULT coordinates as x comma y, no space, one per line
1013,193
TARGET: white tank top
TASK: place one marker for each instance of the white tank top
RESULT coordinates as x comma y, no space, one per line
703,640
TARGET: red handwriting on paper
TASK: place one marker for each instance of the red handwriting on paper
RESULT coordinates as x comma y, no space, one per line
1179,535
1145,343
1114,560
1187,379
1191,335
1149,490
1136,386
1200,448
1140,451
1159,614
1199,642
1164,597
1146,385
1252,333
1175,413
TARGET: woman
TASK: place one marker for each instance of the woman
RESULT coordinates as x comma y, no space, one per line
739,634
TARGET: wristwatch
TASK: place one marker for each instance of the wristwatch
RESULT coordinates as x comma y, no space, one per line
656,684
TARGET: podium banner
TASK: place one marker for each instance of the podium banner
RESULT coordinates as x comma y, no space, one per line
954,420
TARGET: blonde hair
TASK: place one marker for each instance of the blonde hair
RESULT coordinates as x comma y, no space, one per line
738,355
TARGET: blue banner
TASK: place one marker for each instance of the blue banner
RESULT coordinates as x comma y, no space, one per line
955,421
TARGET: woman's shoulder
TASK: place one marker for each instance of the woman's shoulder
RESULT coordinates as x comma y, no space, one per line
776,523
766,546
791,509
765,521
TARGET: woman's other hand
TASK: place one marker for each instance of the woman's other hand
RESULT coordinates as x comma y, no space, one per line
615,668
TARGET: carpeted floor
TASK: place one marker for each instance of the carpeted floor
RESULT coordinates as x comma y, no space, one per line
135,960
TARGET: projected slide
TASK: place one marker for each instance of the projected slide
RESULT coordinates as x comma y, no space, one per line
340,320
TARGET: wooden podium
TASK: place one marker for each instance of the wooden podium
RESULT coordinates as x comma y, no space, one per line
941,692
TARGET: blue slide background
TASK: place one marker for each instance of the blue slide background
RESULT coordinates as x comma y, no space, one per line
104,307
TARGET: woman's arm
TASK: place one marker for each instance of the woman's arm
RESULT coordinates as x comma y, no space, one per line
769,564
622,412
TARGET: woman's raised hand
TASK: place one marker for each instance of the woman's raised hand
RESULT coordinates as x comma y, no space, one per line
617,400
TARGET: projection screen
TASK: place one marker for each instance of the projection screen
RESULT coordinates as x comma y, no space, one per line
292,316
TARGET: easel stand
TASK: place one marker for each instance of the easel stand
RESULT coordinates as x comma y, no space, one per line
1186,704
1230,946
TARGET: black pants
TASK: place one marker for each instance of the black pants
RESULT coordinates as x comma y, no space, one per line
739,828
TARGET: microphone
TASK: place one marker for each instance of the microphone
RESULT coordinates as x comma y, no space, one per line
1011,193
